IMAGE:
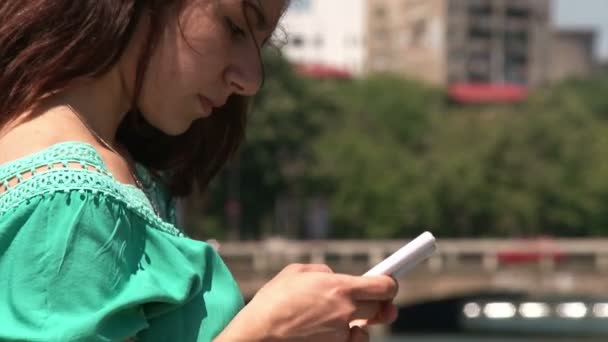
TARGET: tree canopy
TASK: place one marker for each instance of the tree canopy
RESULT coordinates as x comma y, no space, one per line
391,157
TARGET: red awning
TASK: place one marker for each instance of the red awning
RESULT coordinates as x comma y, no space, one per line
477,93
321,71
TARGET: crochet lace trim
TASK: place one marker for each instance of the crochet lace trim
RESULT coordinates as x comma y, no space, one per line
68,167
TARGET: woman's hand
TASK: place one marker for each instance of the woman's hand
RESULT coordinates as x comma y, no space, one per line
311,303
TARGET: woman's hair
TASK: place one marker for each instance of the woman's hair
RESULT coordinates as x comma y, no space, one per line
46,44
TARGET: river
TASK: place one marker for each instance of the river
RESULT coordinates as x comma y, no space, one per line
477,338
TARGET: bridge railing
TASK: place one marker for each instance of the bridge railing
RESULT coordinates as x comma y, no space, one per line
264,258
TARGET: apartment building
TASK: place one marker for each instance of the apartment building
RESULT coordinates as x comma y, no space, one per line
462,41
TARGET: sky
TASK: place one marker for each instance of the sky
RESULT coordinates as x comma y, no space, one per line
585,14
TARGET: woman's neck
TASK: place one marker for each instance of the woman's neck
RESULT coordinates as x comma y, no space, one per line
102,103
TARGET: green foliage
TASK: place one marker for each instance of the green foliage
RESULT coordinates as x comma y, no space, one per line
367,156
287,115
392,159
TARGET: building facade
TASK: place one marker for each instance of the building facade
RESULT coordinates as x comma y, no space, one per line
442,42
572,54
407,37
461,41
499,41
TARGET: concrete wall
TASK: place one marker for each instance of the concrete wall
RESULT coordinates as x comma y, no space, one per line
407,37
571,54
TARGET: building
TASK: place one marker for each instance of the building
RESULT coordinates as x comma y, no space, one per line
499,41
443,42
572,54
407,37
326,35
461,41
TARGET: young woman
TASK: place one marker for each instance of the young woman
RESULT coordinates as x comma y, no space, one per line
108,110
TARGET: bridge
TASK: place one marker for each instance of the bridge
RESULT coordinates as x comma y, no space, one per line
459,267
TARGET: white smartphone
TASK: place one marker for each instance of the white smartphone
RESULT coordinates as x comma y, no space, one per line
406,257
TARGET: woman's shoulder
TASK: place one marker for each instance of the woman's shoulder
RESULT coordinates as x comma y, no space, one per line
59,162
58,137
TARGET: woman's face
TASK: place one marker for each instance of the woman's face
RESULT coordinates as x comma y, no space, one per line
205,57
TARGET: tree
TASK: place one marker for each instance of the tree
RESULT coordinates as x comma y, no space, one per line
366,160
287,115
392,159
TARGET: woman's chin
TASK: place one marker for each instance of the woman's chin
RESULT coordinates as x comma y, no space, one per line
176,130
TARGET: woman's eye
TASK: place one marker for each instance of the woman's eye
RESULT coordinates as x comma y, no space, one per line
234,29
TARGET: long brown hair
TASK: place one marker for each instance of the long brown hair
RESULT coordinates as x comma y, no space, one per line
46,44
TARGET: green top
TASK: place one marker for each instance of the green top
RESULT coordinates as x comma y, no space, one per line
86,258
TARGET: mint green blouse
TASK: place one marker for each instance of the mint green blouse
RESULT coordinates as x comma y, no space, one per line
86,258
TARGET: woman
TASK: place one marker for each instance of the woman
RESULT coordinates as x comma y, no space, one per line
108,109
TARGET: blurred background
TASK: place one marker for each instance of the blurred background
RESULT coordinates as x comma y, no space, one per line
482,121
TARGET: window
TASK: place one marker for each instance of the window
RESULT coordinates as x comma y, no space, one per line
482,8
515,74
476,32
297,41
380,12
419,31
517,12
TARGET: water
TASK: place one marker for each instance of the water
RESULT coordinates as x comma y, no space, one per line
478,338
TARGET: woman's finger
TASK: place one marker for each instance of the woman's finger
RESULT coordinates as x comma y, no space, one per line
386,315
299,268
370,288
317,268
366,310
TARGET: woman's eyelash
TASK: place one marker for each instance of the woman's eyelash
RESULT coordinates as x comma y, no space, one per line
234,29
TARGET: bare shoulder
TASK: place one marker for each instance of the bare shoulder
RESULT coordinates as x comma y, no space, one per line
41,133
